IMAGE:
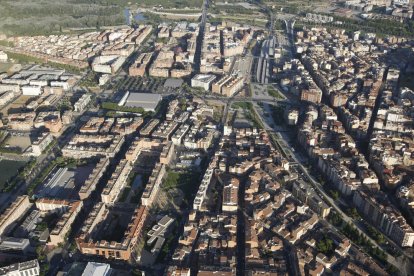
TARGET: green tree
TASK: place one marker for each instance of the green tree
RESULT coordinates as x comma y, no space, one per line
325,245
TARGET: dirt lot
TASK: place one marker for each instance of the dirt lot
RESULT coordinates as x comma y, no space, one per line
18,103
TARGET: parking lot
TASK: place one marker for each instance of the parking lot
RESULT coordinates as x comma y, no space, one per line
136,84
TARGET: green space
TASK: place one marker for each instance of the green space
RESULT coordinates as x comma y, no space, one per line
183,11
278,114
6,43
231,9
274,92
375,234
23,173
407,80
24,58
90,80
168,4
162,40
353,213
187,181
242,105
141,84
4,67
333,193
295,6
325,246
125,194
8,169
243,20
64,104
359,239
249,113
21,17
5,148
381,27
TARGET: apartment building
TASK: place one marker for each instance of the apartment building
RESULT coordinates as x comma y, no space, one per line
308,196
230,194
149,127
151,189
82,103
123,250
380,212
117,182
67,210
41,143
228,85
90,183
140,65
16,210
87,146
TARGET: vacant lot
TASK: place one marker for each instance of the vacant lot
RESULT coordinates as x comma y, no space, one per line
4,67
20,102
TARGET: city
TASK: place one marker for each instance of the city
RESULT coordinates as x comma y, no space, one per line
202,137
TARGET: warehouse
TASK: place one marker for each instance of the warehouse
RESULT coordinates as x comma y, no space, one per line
147,101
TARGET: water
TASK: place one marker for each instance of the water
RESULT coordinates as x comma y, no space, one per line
138,17
8,169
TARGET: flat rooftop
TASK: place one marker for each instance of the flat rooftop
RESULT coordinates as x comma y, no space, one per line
206,78
148,101
58,184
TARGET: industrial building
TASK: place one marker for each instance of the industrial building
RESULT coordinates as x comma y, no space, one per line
60,184
147,101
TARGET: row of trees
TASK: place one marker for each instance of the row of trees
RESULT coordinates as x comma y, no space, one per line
381,27
116,107
30,59
356,237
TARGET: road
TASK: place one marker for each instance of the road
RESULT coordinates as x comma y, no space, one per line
200,38
294,159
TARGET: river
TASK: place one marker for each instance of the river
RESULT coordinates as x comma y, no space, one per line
139,17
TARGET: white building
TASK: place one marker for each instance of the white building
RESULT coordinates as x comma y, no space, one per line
39,145
104,79
3,56
109,64
292,117
148,101
14,244
31,90
6,97
203,80
83,101
97,269
26,268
